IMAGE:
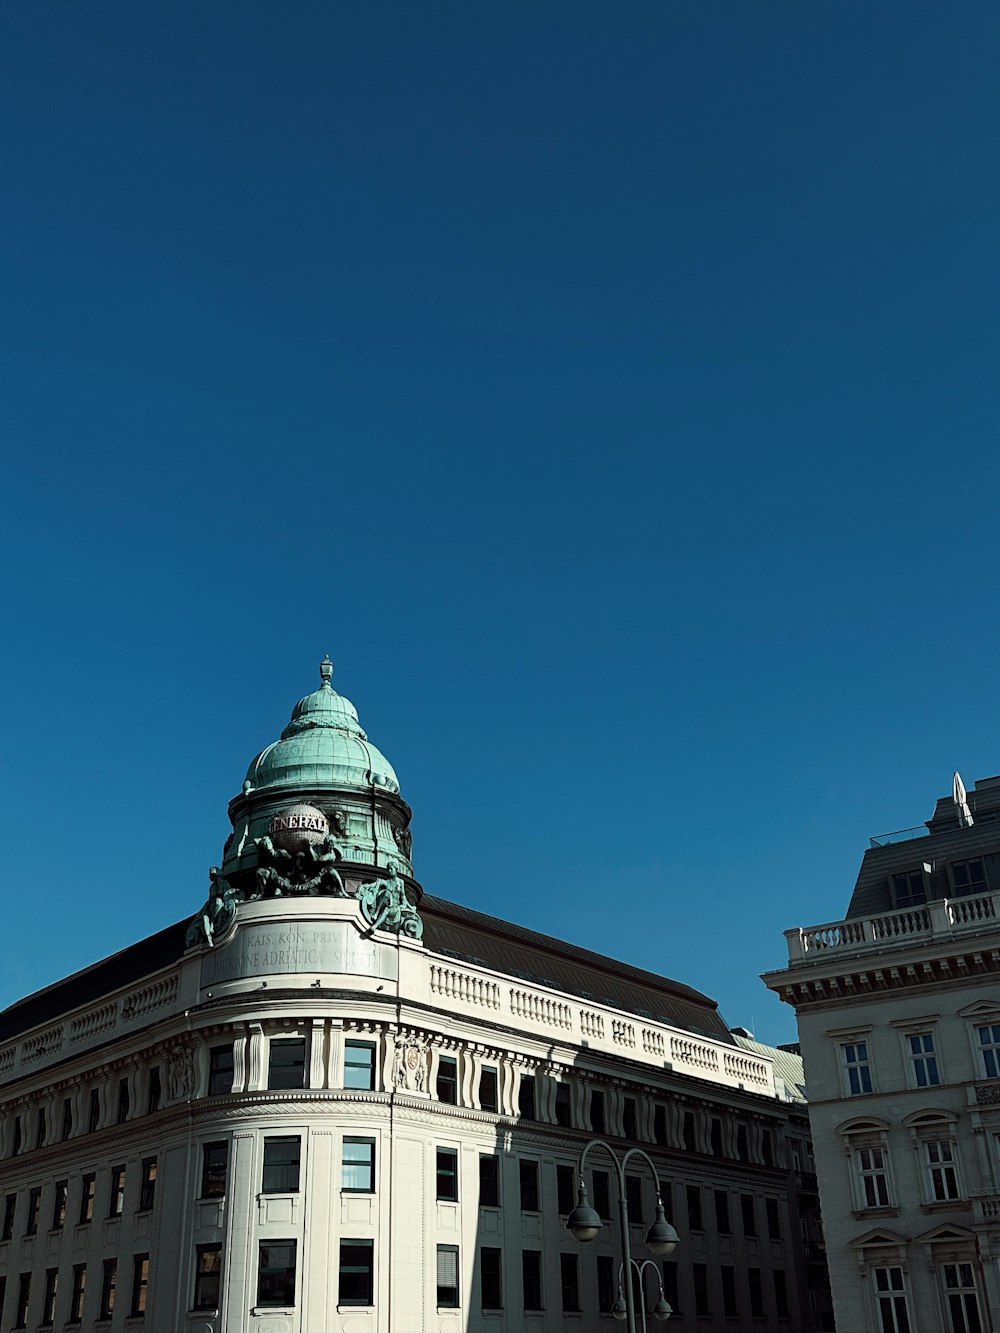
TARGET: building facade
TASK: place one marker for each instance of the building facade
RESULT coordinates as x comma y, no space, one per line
332,1102
898,1008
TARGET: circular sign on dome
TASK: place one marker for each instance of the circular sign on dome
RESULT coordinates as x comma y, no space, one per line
298,827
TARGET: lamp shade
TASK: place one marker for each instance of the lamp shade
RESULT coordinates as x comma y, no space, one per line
584,1222
618,1310
661,1237
661,1310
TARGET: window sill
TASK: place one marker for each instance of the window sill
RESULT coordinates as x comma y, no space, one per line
355,1309
203,1312
946,1206
888,1211
272,1309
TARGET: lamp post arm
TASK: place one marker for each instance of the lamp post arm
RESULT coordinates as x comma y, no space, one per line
640,1152
622,1217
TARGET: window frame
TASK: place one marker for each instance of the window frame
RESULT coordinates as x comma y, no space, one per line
496,1277
218,1067
443,1173
893,1294
207,1168
267,1186
366,1299
354,1141
207,1276
278,1080
147,1185
535,1278
491,1177
450,1254
116,1191
863,1139
529,1184
368,1065
271,1272
140,1286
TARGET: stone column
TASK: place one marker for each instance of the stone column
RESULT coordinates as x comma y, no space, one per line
256,1075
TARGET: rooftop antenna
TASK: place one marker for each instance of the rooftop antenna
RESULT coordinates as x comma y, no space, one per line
961,798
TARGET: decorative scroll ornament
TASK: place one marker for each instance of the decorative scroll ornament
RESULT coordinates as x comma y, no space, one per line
217,914
385,906
409,1064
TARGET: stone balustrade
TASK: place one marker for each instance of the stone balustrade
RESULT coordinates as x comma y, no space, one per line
946,917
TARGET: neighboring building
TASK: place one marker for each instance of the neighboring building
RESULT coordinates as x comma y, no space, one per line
898,1009
331,1102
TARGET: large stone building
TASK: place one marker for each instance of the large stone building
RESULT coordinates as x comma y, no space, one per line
898,1007
331,1102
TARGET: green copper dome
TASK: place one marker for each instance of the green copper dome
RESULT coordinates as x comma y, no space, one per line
323,745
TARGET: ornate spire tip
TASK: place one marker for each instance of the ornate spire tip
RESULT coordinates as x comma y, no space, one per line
326,669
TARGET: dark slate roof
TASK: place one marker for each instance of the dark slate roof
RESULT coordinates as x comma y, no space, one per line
458,932
945,840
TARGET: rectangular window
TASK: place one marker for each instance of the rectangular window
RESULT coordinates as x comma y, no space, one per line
489,1097
969,877
597,1112
282,1157
88,1193
923,1060
447,1174
116,1195
780,1293
358,1166
687,1124
715,1136
357,1285
147,1185
695,1222
108,1286
962,1299
699,1273
214,1164
773,1218
526,1097
563,1108
756,1293
490,1280
447,1080
605,1283
78,1294
630,1118
660,1125
909,889
34,1208
49,1299
749,1215
873,1178
94,1114
489,1181
220,1070
359,1065
124,1100
742,1143
529,1185
286,1062
208,1277
23,1297
857,1068
531,1279
16,1148
59,1205
569,1276
565,1189
155,1091
729,1307
447,1277
276,1273
40,1130
671,1289
67,1120
633,1199
722,1223
989,1048
941,1170
140,1285
890,1298
9,1208
602,1194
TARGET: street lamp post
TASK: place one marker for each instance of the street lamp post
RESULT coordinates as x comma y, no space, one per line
585,1223
661,1310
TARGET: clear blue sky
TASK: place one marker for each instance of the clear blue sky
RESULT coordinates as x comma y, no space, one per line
611,389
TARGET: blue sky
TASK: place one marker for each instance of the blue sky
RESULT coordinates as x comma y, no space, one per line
610,389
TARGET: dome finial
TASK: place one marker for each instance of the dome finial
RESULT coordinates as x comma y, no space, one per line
325,670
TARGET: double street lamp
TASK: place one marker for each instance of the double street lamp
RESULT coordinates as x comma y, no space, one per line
585,1223
661,1310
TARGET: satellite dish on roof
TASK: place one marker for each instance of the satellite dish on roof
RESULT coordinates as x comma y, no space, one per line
961,798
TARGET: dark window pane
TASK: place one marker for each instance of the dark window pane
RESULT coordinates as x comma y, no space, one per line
447,1174
699,1273
729,1306
630,1118
488,1090
694,1207
597,1112
489,1181
722,1224
756,1293
773,1219
749,1215
34,1207
490,1280
147,1187
155,1091
633,1198
447,1277
220,1070
208,1272
563,1105
570,1279
281,1165
116,1200
214,1161
660,1125
356,1272
605,1283
286,1066
358,1166
526,1097
276,1273
602,1194
566,1188
447,1080
531,1278
529,1185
